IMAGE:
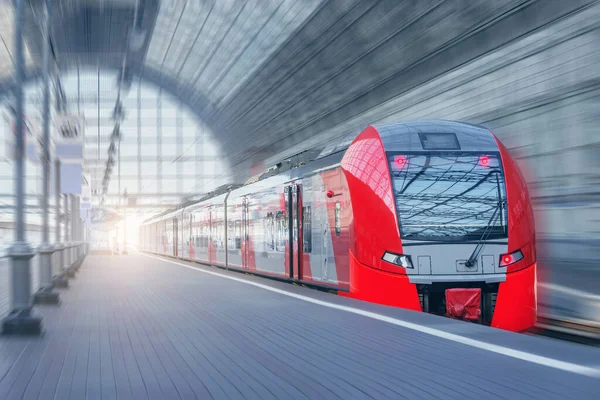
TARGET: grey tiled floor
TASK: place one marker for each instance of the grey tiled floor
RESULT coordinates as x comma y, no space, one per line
138,327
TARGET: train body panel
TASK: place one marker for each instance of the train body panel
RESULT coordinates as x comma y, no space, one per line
395,215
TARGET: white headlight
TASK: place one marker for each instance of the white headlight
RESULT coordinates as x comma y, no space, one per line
398,259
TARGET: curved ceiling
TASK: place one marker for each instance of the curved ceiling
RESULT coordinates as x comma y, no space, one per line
274,77
202,51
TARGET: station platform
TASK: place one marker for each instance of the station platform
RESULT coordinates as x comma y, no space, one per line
140,326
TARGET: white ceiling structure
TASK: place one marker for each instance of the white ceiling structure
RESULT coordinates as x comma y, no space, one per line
193,54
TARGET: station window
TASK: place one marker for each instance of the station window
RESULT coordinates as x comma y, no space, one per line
306,230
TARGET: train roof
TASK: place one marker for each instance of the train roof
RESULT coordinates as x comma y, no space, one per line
239,190
404,135
396,136
436,135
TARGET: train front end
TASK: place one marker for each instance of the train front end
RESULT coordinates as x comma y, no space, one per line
445,226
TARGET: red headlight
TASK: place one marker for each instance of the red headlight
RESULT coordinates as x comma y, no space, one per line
508,259
400,161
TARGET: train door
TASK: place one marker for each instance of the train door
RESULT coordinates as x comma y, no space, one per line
295,256
175,237
324,247
245,234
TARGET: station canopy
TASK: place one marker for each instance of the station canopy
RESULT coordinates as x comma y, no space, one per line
176,64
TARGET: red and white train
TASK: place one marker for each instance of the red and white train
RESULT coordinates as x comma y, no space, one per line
433,216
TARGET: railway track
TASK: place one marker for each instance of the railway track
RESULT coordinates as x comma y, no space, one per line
583,332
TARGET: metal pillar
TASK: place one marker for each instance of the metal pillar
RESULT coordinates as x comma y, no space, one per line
159,140
60,280
125,223
80,226
67,259
21,319
180,151
46,294
98,150
77,216
86,235
119,195
73,231
78,252
139,136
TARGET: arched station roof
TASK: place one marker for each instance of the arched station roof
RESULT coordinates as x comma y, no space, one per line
273,78
199,51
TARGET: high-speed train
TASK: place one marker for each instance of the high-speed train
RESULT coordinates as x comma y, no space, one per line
432,216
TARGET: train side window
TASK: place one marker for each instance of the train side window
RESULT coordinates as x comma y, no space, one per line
190,231
221,234
338,223
231,235
270,232
238,234
282,231
306,230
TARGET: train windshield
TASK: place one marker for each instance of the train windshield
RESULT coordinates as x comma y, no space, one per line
449,196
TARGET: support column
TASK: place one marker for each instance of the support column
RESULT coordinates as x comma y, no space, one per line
77,232
73,231
86,238
125,227
81,241
68,259
21,319
119,199
46,293
60,280
78,252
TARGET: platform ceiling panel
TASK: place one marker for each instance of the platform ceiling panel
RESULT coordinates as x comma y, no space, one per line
215,46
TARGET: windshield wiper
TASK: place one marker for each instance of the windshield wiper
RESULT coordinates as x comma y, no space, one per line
473,258
475,255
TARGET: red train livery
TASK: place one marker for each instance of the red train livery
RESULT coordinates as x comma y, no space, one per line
431,216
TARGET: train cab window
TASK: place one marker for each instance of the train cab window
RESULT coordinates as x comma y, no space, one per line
306,230
449,196
338,223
